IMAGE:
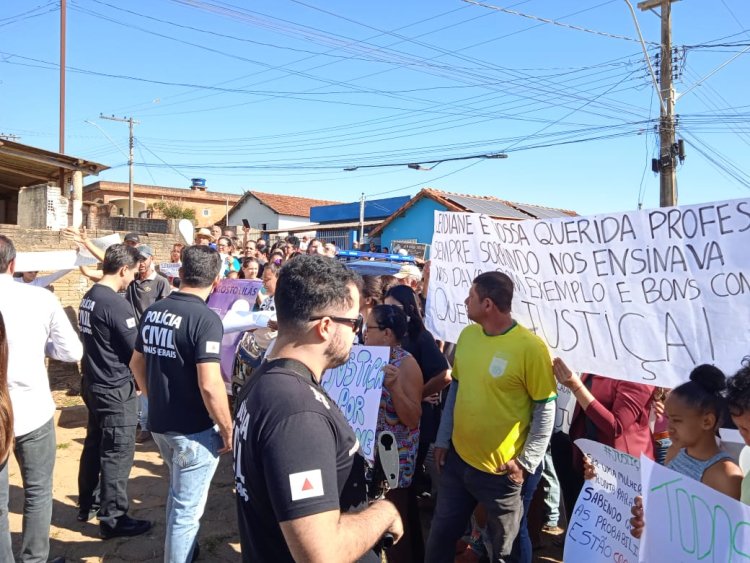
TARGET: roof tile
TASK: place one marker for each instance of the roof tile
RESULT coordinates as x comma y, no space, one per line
289,204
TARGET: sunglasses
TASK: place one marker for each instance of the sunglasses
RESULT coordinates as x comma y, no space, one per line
355,323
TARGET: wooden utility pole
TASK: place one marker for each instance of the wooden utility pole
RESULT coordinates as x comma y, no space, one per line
63,48
131,143
667,144
61,144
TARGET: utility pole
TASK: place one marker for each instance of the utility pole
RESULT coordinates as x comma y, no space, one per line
62,79
667,164
361,220
130,121
61,143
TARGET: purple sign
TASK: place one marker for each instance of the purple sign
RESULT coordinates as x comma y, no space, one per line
229,295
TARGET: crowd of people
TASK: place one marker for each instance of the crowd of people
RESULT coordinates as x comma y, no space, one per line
473,420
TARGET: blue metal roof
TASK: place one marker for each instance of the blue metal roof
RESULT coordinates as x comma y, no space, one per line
374,209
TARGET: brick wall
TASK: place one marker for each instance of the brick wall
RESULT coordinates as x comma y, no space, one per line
71,288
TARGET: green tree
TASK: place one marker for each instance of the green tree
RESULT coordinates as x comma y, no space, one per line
173,210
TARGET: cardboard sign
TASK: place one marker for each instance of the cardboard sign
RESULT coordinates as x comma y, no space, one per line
642,296
413,248
356,387
688,521
599,530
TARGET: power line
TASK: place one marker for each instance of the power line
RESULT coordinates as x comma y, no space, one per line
163,161
727,170
29,14
551,22
138,146
641,192
401,189
335,49
234,14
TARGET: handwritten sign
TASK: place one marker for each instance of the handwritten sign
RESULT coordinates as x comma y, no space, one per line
599,530
565,405
229,295
642,296
170,269
356,386
688,521
413,248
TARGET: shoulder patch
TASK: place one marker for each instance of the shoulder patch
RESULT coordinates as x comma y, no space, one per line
130,323
212,347
306,484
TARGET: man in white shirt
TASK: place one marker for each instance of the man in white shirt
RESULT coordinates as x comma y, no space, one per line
36,326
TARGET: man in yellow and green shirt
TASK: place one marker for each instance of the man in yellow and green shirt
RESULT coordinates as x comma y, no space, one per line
496,424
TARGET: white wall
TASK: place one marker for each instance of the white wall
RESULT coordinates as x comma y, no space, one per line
256,213
289,221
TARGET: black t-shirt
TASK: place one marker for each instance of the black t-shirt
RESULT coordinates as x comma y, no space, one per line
108,330
431,361
295,455
141,294
427,355
176,334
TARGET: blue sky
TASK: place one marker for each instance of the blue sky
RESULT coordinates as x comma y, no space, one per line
281,96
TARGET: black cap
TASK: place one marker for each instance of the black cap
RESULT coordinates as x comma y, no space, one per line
132,237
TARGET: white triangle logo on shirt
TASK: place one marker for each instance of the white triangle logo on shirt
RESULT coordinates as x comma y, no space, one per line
307,484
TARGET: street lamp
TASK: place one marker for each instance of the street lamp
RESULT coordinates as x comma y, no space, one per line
421,166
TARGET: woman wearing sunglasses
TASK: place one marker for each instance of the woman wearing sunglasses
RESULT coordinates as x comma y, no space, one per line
400,408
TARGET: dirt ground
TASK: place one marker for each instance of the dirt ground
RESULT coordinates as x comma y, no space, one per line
80,542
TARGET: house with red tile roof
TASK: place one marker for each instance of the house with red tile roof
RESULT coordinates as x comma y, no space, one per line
273,212
414,220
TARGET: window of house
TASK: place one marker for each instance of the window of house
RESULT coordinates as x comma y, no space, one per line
206,212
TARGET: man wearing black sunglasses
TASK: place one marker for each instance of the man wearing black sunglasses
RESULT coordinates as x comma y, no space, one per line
300,475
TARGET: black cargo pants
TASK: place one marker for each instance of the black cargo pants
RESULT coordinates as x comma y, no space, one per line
108,449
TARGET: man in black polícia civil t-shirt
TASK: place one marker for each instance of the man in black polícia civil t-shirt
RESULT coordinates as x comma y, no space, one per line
108,329
176,364
299,474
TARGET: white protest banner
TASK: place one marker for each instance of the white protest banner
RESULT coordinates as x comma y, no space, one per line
50,261
356,386
643,296
599,529
688,521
